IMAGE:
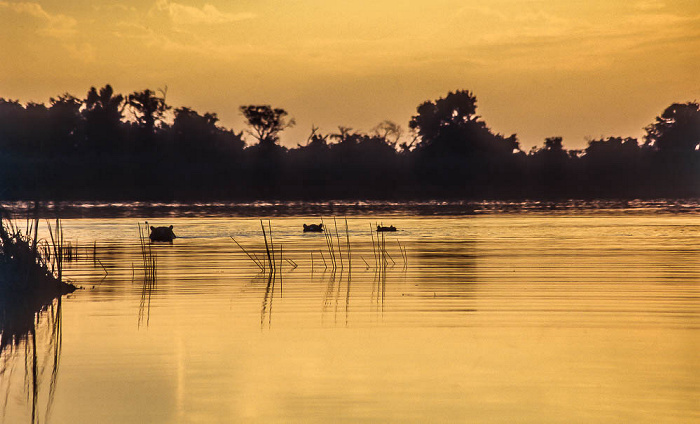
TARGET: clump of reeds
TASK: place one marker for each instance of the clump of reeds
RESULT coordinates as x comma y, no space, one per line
334,257
335,247
381,254
149,258
269,261
29,264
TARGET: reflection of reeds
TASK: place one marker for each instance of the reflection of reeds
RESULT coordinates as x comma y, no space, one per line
338,283
403,254
340,250
22,327
147,289
148,257
268,267
267,301
347,235
150,274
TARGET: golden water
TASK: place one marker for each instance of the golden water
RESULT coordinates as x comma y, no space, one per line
502,318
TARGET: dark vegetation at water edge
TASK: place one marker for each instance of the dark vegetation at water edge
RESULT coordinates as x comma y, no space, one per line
31,269
109,146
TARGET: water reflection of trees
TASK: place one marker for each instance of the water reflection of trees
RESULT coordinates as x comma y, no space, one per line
30,342
447,268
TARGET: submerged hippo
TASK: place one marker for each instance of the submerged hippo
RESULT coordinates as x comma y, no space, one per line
313,228
162,234
381,228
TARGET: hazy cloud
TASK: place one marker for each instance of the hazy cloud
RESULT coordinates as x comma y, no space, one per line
649,5
208,15
114,8
54,25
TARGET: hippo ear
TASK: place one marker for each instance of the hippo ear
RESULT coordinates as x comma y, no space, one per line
152,228
171,227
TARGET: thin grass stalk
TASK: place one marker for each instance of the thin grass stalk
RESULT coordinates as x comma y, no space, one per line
272,246
141,243
403,253
384,261
325,235
246,252
280,269
324,259
36,232
389,256
329,244
332,245
144,259
347,235
337,236
103,268
260,261
59,259
363,260
53,244
379,250
267,248
374,250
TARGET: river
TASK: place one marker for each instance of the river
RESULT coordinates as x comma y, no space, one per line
520,316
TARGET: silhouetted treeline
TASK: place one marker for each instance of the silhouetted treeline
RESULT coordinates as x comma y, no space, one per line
110,146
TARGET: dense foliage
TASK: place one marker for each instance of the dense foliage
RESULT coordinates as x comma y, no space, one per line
110,146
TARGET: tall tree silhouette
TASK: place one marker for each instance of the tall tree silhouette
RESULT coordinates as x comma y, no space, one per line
148,110
199,134
265,122
266,159
390,131
72,149
675,139
12,115
455,110
676,130
103,114
457,152
65,123
612,165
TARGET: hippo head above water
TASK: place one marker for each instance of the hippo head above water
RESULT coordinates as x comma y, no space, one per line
162,234
314,228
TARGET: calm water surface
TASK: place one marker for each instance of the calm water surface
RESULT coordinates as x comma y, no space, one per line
501,318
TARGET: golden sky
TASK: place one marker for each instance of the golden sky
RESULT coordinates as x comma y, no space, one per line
539,68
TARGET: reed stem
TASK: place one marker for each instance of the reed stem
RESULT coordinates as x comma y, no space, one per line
246,252
269,258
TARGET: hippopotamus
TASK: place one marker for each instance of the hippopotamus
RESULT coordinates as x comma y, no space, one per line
381,228
313,228
162,234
